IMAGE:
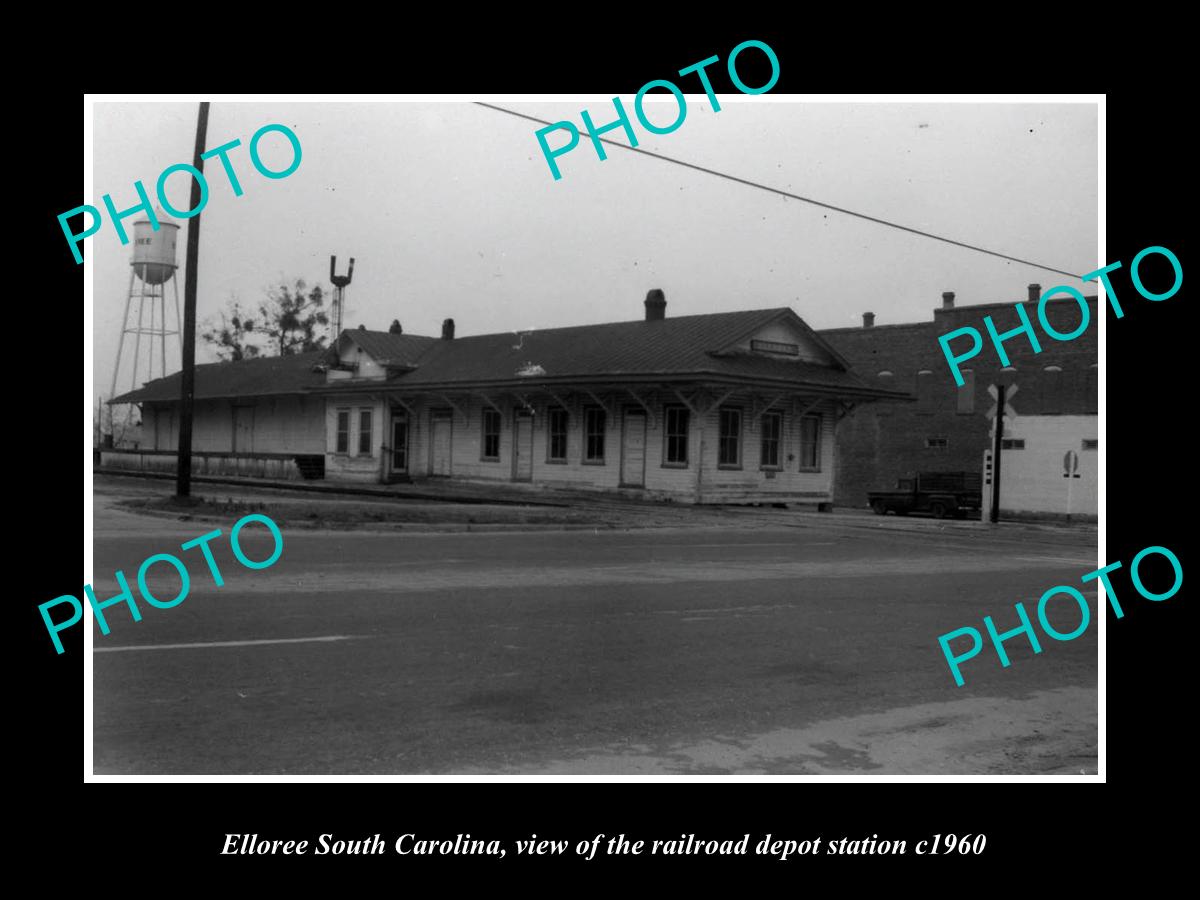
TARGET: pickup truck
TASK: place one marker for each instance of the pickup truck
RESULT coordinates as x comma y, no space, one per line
940,494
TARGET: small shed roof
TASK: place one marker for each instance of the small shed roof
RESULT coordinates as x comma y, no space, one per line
259,377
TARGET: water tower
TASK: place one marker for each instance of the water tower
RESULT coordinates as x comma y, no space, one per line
340,283
150,269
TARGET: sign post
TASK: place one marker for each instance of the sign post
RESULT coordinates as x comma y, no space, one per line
1070,472
999,429
1001,414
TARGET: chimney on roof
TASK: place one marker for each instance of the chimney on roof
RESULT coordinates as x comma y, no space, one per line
1035,293
448,330
868,320
656,306
948,300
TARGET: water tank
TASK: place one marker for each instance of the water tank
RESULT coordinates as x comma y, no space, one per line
154,251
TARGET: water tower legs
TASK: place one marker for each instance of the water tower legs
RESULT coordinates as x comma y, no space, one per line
121,343
137,341
151,300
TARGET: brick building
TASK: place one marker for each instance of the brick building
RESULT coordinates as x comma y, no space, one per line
947,427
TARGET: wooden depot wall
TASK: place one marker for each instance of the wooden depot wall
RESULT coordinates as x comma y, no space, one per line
701,478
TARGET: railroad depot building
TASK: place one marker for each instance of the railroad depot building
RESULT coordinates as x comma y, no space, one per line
949,428
724,407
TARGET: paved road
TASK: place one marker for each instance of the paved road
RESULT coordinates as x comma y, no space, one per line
801,648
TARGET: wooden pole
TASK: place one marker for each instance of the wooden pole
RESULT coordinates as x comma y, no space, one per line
187,390
995,517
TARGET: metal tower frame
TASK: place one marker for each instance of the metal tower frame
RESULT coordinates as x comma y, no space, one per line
156,294
340,283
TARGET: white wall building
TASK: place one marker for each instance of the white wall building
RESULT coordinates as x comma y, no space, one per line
1049,468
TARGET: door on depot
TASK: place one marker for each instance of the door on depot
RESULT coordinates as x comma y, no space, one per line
243,429
523,446
633,448
441,427
399,443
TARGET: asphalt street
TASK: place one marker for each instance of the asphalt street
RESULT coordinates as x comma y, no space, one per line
798,646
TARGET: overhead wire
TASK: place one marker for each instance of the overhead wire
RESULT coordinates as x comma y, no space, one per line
790,195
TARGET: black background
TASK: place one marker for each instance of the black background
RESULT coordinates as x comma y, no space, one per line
1147,448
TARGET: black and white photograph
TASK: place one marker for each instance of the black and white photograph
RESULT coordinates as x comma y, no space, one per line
489,439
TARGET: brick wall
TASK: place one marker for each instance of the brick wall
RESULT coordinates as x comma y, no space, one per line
881,442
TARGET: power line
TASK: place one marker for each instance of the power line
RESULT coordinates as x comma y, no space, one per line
782,193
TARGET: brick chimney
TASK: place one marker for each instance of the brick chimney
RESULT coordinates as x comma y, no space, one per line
1035,293
948,300
448,330
868,320
656,306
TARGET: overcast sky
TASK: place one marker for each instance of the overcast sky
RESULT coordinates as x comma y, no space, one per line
450,210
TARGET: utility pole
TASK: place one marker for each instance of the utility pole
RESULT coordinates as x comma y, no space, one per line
1000,391
187,391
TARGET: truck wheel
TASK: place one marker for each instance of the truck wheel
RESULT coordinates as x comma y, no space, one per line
880,507
938,510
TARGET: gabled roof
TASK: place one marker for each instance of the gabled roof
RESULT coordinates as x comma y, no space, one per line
667,346
800,325
699,346
263,376
387,349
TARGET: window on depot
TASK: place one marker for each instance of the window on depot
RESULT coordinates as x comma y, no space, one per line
343,431
772,428
1091,444
556,427
676,450
491,436
810,443
593,430
729,438
937,443
1012,443
364,432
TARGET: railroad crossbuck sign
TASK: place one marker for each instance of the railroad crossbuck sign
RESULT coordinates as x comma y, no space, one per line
1010,414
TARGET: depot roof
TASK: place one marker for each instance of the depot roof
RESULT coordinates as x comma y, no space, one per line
684,347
